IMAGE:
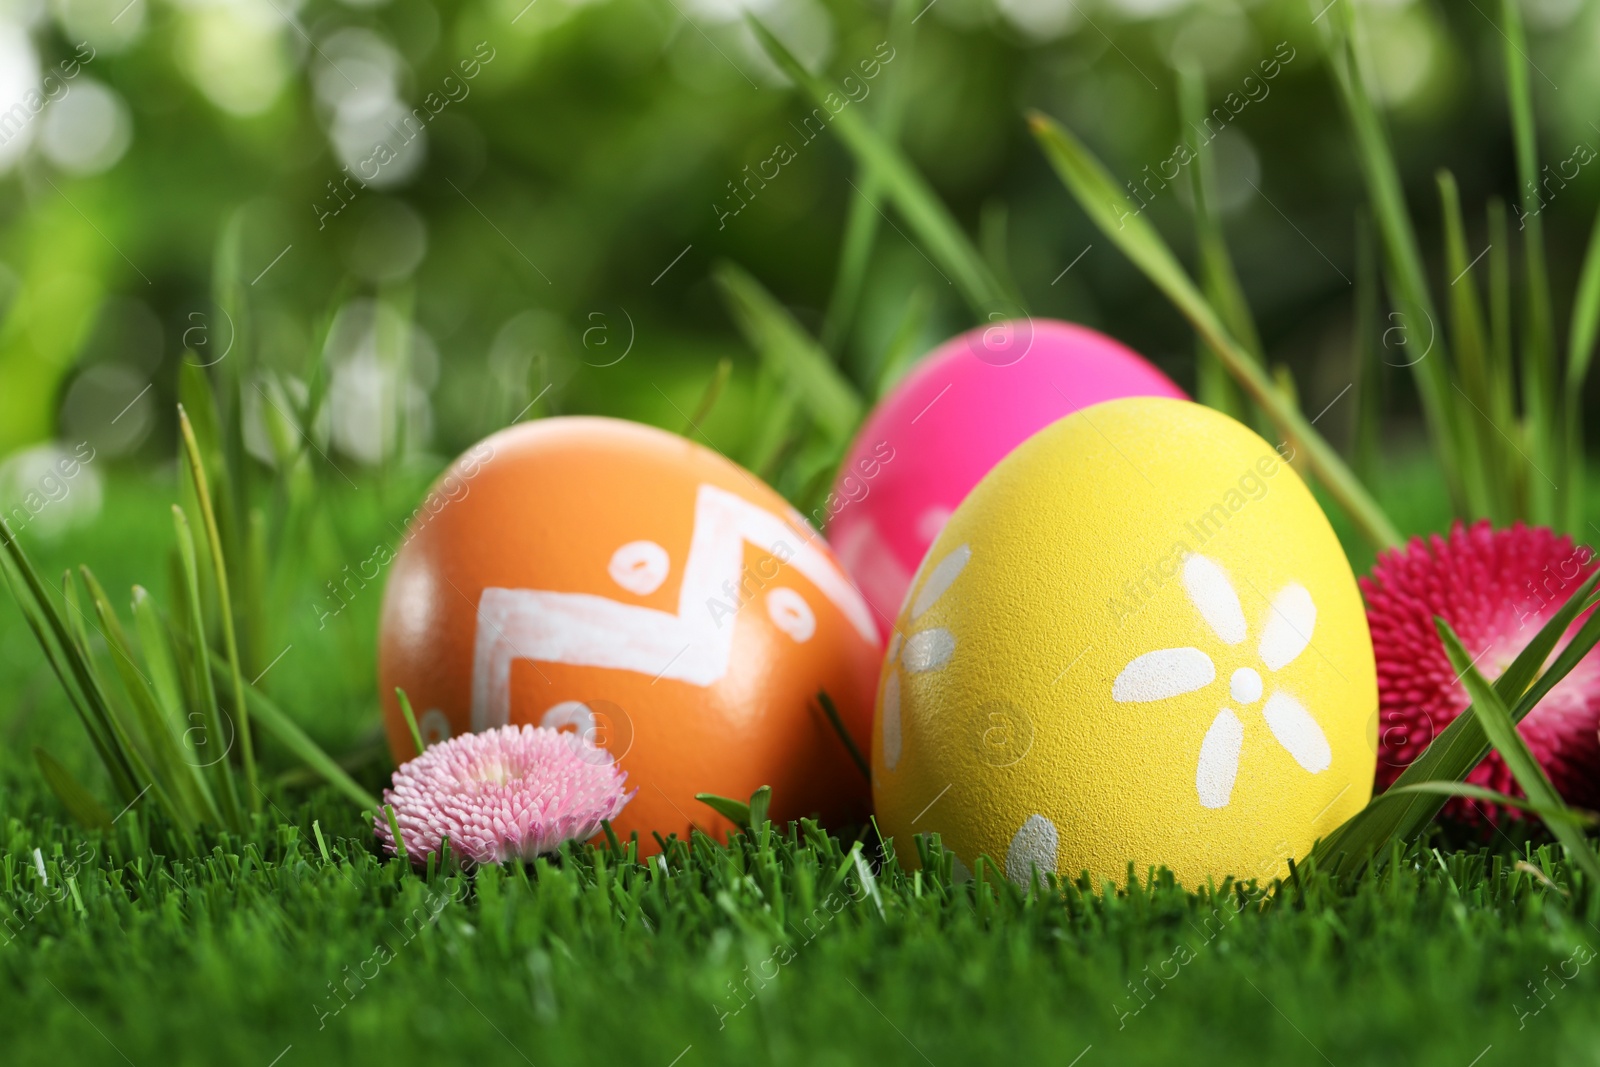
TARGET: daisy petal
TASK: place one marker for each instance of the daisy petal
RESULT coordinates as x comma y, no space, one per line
1212,594
1288,628
939,580
1164,673
1219,760
928,650
1297,732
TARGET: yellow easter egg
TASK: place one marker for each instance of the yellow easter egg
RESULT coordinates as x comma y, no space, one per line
1137,641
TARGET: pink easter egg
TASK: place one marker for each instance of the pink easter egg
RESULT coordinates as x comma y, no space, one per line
956,415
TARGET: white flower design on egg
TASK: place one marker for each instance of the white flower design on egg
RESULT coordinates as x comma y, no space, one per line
1172,672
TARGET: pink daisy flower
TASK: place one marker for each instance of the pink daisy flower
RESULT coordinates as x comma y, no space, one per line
508,793
1496,588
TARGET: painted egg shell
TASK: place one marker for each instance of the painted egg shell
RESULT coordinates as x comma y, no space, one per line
963,408
612,578
1138,640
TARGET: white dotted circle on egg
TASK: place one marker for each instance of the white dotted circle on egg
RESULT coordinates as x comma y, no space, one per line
640,567
791,614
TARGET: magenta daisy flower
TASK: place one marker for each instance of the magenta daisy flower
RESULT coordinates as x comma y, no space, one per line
1496,588
508,793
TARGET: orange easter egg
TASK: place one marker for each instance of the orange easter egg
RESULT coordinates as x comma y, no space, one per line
612,578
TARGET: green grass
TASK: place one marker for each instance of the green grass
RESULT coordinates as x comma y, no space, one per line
592,958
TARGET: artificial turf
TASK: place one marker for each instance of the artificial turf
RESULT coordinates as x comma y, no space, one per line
796,946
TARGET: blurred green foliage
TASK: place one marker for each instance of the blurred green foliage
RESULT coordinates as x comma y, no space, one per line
570,193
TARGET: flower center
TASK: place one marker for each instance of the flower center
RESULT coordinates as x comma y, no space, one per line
493,772
1245,685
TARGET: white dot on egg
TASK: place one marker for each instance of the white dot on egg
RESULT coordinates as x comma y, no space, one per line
891,720
928,650
640,567
1245,685
1033,848
791,614
940,579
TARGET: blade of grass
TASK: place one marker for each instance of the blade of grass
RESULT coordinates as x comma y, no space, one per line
276,722
1218,279
902,350
709,398
832,712
1486,475
67,659
197,400
251,606
735,811
810,477
862,223
760,804
1407,278
1502,376
79,802
993,221
394,831
1585,639
1371,833
1577,816
194,657
1106,206
199,405
122,728
156,643
1504,389
789,353
929,219
411,719
1580,350
777,413
1367,394
1539,370
225,604
1502,732
1585,314
60,654
169,772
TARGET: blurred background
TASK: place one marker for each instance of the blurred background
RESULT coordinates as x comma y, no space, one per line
567,201
437,216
